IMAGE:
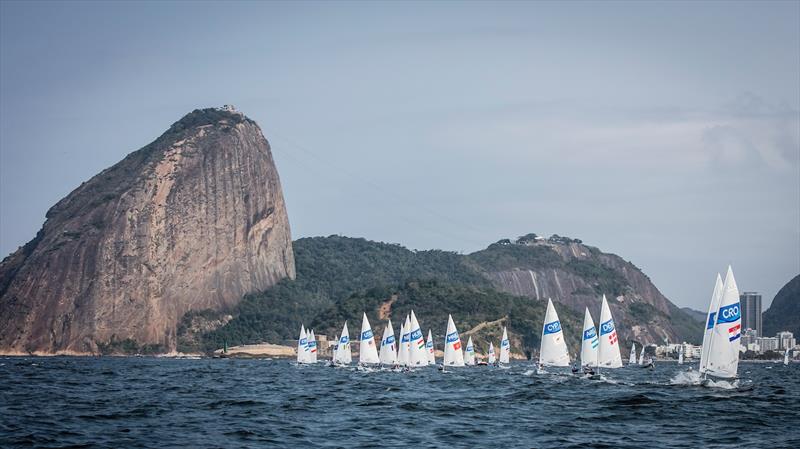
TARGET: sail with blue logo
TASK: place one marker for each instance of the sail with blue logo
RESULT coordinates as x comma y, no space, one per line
589,341
632,357
453,354
553,351
490,359
312,347
723,351
505,347
388,353
429,348
711,319
608,353
302,346
469,353
402,350
417,353
367,351
343,355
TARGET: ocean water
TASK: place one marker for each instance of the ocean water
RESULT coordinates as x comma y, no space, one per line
149,402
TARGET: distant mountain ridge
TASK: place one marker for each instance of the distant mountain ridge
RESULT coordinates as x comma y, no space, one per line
339,278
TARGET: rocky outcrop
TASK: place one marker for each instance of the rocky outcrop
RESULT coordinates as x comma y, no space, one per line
195,220
784,312
577,275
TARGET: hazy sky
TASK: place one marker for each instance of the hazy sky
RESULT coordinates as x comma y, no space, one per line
667,133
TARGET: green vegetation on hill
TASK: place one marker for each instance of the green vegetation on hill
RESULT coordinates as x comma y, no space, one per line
784,312
433,300
340,278
329,269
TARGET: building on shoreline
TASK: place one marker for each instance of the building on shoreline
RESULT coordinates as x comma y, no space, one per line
751,311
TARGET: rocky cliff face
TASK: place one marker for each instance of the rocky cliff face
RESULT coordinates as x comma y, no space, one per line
577,275
194,220
784,313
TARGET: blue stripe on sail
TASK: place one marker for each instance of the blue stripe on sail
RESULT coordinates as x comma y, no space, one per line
735,337
710,320
607,327
729,314
552,328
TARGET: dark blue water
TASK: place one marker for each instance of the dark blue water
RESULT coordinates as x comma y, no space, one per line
142,402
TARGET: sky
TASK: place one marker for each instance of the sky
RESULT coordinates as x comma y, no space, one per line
667,133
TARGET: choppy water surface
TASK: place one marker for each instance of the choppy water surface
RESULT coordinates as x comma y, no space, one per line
141,402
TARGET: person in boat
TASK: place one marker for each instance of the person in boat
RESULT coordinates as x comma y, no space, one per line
575,368
588,370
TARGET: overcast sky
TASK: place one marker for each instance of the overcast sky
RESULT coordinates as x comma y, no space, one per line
667,133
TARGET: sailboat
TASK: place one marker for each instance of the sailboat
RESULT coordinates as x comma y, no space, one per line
723,348
505,348
680,355
590,343
641,356
608,355
402,350
632,358
367,352
312,348
711,320
453,355
491,360
302,346
469,353
429,348
388,355
786,357
343,355
418,355
553,351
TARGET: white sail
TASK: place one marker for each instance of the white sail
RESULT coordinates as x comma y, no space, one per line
402,351
453,355
590,342
553,351
608,355
641,357
786,357
343,355
632,358
711,319
429,348
388,354
302,346
312,347
491,359
723,350
367,351
469,353
680,355
418,354
505,347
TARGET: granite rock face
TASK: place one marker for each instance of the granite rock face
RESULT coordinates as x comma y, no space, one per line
576,275
194,220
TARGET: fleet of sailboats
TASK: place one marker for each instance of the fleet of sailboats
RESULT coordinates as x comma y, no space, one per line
719,357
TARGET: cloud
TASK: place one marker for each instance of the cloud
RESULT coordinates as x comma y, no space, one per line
747,131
